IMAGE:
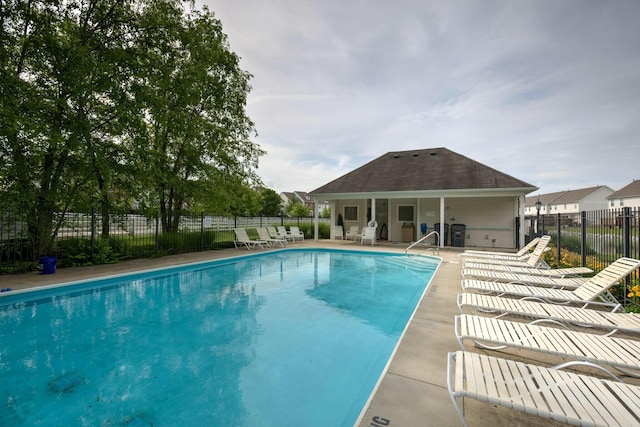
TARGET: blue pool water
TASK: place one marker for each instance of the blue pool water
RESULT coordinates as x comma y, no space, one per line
284,338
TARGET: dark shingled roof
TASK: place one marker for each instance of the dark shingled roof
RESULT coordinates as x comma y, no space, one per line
630,190
421,170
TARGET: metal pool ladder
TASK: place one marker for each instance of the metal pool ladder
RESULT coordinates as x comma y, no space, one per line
423,238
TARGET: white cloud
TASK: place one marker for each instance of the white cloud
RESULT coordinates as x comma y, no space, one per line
547,92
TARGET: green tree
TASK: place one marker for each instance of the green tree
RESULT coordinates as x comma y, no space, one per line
296,209
59,64
193,131
271,202
246,202
106,102
325,213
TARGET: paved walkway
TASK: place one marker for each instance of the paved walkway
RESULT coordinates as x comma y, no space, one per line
413,392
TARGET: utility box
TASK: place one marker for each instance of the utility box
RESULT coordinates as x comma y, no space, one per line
408,231
457,234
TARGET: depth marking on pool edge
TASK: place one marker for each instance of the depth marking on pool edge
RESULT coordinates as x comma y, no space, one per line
432,290
379,422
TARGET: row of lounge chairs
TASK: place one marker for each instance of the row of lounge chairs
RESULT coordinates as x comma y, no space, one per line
569,317
267,237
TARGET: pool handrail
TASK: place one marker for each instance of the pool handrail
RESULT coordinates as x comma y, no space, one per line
422,239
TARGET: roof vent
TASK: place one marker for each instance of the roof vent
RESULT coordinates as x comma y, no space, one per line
395,156
433,153
415,155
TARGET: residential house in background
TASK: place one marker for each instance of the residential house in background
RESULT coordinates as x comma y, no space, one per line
305,198
569,203
285,197
627,197
408,193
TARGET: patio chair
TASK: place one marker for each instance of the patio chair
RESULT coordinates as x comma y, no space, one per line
550,393
263,234
540,313
283,233
337,232
534,259
274,234
497,334
368,235
353,233
525,279
296,234
521,254
242,239
596,287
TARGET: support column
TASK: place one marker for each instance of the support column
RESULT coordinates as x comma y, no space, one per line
315,222
416,229
521,231
373,209
442,221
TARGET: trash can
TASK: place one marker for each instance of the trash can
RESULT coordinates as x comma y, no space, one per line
47,264
408,231
444,233
457,234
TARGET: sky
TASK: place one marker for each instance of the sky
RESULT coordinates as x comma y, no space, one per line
547,91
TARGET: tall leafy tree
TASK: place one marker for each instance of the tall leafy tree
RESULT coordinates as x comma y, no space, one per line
271,202
194,134
58,68
295,208
104,101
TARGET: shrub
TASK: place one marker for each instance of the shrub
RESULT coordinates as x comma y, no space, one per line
633,293
568,259
78,251
324,231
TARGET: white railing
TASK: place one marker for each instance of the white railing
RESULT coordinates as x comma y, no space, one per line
422,239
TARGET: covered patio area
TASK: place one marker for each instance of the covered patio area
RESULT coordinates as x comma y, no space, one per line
411,193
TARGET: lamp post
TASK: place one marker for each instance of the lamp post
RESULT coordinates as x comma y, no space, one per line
538,207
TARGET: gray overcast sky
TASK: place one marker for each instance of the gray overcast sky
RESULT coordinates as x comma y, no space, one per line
546,91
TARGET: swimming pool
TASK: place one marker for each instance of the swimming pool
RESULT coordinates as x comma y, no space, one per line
290,337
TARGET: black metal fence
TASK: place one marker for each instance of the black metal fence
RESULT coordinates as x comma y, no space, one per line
598,236
595,239
79,239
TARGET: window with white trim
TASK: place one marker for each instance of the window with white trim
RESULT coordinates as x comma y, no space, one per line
406,213
351,213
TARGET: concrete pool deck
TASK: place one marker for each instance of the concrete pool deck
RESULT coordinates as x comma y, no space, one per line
413,392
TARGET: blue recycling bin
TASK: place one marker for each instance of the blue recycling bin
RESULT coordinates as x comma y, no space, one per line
47,264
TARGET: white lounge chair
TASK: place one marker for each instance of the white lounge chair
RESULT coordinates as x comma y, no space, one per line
368,235
337,232
275,234
534,259
540,313
497,334
296,234
263,234
550,393
500,273
353,233
242,239
596,287
525,279
283,233
522,253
